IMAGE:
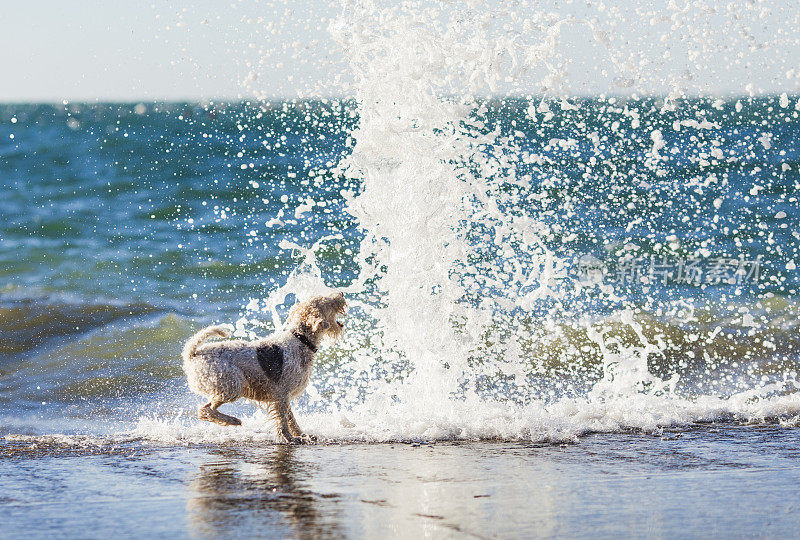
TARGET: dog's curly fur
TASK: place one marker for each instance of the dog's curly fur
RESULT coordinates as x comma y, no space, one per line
225,371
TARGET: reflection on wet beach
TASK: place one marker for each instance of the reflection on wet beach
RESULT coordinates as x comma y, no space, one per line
608,485
238,491
366,491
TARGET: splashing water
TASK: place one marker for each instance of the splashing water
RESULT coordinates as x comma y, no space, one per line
540,216
464,287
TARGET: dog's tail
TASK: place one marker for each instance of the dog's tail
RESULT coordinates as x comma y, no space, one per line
195,341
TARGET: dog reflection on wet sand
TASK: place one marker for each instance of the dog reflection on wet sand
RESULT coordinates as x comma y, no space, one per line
274,370
241,490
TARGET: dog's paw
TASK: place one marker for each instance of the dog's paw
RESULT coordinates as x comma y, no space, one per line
290,439
211,415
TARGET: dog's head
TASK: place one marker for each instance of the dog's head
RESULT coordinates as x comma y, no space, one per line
317,316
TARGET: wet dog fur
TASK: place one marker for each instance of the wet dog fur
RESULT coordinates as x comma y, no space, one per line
274,370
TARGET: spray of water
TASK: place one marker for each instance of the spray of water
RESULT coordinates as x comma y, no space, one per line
463,289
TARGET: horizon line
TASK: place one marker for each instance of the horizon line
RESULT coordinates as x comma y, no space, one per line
239,100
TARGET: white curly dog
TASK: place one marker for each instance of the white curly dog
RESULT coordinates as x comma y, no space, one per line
274,370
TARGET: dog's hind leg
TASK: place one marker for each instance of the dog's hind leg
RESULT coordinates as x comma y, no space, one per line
219,383
210,413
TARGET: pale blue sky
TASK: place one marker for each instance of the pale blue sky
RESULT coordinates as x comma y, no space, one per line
156,49
126,50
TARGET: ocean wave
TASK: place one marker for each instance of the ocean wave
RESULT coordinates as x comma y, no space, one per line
384,421
138,356
124,383
109,373
31,321
566,420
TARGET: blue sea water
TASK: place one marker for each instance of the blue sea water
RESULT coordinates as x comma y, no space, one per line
119,215
125,227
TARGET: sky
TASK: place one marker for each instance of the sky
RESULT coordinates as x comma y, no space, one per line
109,50
90,50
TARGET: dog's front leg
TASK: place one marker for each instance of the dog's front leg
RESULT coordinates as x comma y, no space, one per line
287,424
296,431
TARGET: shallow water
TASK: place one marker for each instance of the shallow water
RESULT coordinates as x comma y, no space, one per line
717,480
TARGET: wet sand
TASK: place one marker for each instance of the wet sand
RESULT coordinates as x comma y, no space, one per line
709,480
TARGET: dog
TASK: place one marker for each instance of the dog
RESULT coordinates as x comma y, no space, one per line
274,370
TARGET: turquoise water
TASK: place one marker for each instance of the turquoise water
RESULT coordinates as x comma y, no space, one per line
126,227
157,207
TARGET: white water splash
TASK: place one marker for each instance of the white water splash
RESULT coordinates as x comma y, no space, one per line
473,419
455,276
